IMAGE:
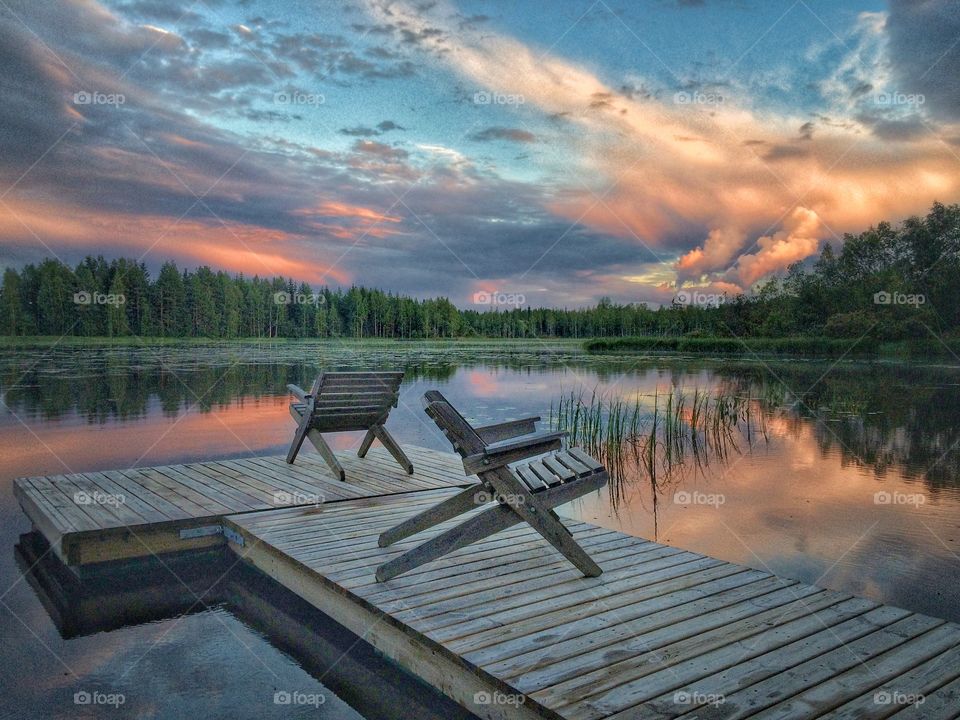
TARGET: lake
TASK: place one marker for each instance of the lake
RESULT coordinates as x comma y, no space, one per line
840,474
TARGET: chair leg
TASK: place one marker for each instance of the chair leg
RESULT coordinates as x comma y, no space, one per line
298,437
326,453
475,528
390,444
539,515
367,442
462,502
487,523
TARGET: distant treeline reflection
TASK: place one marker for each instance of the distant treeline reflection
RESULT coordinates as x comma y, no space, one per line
884,417
898,418
127,392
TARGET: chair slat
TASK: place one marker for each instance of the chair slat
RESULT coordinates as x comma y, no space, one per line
350,395
530,478
584,458
564,473
344,422
331,410
397,374
546,475
571,462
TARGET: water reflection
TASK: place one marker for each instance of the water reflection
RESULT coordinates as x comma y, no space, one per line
224,600
876,416
794,491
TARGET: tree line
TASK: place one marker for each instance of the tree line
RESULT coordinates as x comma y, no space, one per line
887,282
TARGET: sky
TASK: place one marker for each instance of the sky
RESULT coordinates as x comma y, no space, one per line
559,152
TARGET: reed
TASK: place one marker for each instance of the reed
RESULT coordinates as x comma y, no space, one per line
657,435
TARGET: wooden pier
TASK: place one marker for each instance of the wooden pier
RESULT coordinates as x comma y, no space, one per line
506,627
120,514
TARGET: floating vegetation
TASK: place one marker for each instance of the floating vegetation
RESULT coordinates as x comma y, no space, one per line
659,436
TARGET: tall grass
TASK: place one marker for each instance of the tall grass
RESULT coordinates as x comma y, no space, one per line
657,435
803,346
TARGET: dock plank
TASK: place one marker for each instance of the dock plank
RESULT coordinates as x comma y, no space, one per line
508,613
143,511
662,633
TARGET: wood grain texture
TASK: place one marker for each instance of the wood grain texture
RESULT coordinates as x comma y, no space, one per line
662,633
117,514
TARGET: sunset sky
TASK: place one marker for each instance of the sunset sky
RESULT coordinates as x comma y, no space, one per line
562,150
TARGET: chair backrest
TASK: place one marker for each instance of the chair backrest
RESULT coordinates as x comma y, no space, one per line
461,434
354,400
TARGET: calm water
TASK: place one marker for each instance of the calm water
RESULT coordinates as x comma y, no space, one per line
848,478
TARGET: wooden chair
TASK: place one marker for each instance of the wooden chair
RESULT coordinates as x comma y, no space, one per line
340,401
523,492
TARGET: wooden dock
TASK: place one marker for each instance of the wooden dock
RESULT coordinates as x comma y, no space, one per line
121,514
509,629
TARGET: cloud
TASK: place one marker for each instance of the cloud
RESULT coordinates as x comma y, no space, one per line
364,131
648,183
638,192
358,131
504,133
718,250
379,150
924,52
797,240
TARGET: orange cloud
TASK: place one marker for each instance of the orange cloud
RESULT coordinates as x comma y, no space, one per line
370,223
718,250
232,246
341,209
746,170
796,241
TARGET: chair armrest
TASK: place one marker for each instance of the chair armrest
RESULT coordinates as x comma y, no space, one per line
507,430
494,456
298,391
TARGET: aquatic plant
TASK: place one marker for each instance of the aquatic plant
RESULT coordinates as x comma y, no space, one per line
660,435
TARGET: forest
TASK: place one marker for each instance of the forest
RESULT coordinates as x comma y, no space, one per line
886,283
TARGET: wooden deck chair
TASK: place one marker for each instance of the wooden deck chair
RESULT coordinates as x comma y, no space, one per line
523,492
340,401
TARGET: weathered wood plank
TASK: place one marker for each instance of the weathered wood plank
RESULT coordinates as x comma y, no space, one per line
801,677
139,501
614,646
906,690
509,614
840,688
939,704
727,667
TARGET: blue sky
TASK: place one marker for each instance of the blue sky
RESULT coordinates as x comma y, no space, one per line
563,151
